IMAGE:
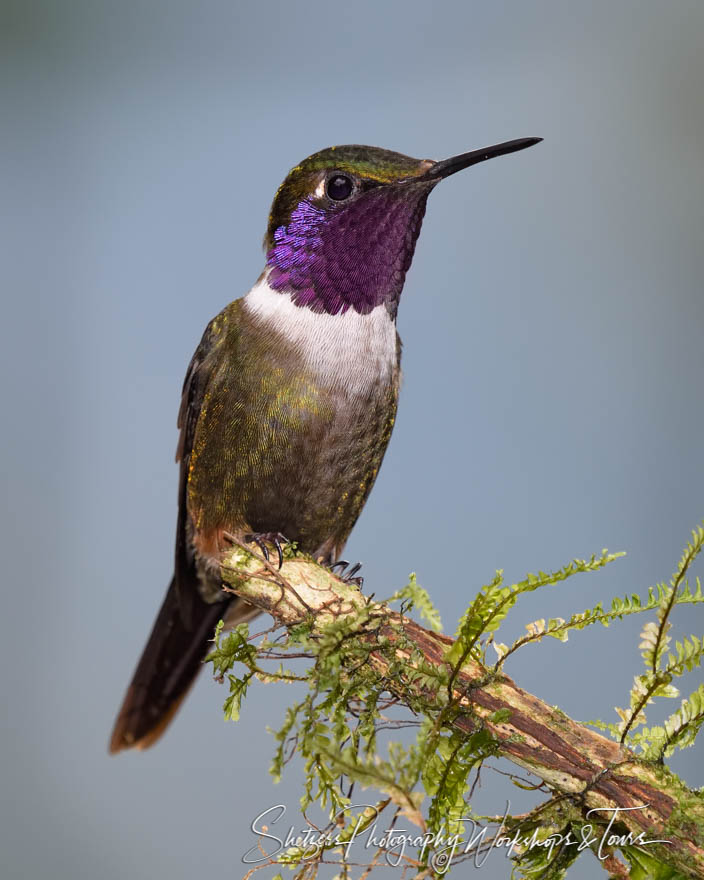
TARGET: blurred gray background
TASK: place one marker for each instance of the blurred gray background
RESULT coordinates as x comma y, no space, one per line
553,358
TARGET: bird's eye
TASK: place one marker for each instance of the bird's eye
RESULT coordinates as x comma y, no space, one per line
339,187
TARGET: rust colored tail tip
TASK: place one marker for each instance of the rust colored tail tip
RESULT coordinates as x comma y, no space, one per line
121,738
123,735
120,742
123,743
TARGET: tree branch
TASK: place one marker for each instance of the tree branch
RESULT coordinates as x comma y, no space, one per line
576,762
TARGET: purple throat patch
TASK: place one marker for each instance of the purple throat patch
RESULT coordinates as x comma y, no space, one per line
351,256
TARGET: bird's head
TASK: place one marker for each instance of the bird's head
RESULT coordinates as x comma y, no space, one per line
344,223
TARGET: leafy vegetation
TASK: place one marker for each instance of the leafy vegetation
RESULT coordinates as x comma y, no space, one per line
342,726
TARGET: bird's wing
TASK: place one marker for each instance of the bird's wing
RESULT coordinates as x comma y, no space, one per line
198,376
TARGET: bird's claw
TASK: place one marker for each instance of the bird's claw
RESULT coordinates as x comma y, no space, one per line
348,577
262,538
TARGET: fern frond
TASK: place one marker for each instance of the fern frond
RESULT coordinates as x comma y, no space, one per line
690,553
688,654
607,727
419,598
679,730
495,600
655,641
559,629
445,775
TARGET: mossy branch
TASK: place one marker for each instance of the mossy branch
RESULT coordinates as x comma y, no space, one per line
582,768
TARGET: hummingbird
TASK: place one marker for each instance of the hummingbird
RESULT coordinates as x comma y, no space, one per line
289,400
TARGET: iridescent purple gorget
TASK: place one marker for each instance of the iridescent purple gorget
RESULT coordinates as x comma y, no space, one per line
353,255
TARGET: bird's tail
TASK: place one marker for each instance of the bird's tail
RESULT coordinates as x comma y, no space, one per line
168,666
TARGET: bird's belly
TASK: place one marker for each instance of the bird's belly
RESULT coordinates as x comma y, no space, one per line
318,487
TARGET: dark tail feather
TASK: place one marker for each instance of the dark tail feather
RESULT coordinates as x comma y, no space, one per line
168,666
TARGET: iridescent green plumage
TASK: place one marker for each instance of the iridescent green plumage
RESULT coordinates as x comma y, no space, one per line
275,447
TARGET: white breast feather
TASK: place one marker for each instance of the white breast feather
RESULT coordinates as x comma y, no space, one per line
351,351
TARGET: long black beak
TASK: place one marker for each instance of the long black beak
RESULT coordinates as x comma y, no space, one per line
446,167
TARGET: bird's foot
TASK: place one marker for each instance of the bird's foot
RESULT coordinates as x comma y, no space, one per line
261,539
347,573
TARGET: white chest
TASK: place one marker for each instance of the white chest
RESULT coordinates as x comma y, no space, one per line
350,351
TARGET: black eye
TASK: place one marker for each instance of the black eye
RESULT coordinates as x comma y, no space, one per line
339,187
